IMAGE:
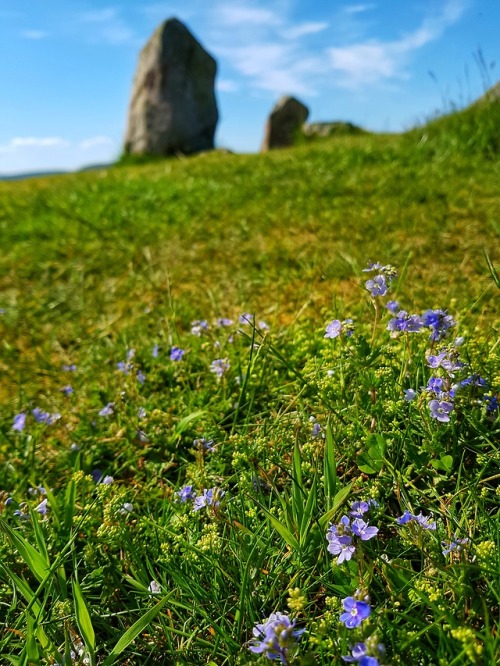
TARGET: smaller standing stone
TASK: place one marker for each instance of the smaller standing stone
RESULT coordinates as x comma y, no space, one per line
283,124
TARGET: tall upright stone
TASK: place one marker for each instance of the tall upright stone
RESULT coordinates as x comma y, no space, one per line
172,107
284,122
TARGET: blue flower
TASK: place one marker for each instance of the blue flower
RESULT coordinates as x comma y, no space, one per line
435,384
155,351
69,368
491,402
108,410
176,353
439,322
209,497
337,327
197,327
276,637
224,321
404,322
141,377
19,422
392,306
363,530
356,612
42,508
410,394
185,493
454,545
440,410
425,522
362,653
220,366
44,417
67,390
204,444
377,286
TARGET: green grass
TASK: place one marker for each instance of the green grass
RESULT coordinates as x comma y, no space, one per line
96,264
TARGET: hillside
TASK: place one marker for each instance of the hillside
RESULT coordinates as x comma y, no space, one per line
191,421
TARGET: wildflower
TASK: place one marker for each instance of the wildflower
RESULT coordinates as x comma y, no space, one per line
19,422
435,384
377,286
42,508
44,417
185,493
154,587
392,306
67,390
209,497
141,377
363,654
355,612
38,490
176,353
363,530
372,267
141,413
276,637
439,322
155,351
74,448
124,367
224,321
474,380
358,509
220,366
262,326
440,410
107,480
126,508
246,318
204,444
315,430
410,395
108,410
197,327
403,322
454,545
425,522
69,368
337,327
341,546
491,402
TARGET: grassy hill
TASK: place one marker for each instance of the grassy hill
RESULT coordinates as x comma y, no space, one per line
107,270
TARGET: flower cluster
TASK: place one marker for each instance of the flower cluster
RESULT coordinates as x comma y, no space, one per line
425,522
379,284
219,367
337,327
366,654
342,537
276,637
210,497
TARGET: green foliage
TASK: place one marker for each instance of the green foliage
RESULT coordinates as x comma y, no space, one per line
295,430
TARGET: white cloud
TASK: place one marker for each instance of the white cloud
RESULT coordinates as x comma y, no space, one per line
357,9
303,29
108,25
33,142
226,85
94,141
33,34
374,61
241,14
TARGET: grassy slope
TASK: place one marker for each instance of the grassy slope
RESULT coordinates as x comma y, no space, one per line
96,263
216,232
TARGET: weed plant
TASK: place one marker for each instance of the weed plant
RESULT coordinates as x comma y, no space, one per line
222,441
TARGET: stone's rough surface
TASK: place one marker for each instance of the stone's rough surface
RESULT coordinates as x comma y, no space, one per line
173,107
284,123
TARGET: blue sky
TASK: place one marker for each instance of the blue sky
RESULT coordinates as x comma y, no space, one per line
66,66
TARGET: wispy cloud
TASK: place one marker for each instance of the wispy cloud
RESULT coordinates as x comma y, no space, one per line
108,25
94,141
234,14
33,142
226,85
302,29
374,61
357,9
34,34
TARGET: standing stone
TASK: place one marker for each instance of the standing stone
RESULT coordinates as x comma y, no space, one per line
172,108
283,124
